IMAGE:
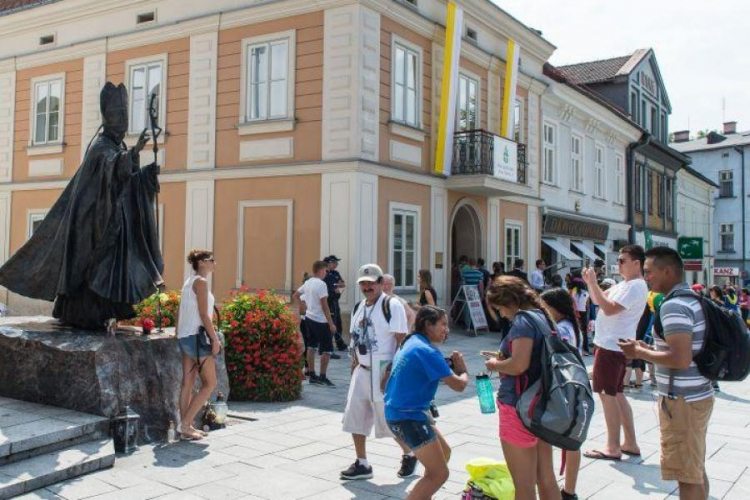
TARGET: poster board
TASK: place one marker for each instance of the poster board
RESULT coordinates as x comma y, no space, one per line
468,298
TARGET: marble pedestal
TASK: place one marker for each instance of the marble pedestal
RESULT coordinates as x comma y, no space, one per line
44,362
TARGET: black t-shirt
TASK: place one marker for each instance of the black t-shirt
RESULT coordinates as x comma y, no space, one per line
423,298
332,277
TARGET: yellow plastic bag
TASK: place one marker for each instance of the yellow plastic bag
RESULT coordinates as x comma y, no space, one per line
493,477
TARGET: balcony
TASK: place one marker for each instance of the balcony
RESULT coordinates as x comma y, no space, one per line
477,169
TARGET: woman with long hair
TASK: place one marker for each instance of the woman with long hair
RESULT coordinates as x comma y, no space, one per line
418,367
196,316
427,294
717,295
519,362
579,292
560,306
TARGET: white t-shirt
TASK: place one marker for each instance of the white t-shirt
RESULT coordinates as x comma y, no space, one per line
381,335
580,299
314,289
566,331
632,295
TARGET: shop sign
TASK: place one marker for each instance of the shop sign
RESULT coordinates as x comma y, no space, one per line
648,240
563,226
692,265
727,271
690,248
505,158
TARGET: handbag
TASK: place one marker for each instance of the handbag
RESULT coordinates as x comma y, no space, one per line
203,340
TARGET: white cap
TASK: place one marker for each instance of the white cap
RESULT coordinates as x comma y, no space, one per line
369,272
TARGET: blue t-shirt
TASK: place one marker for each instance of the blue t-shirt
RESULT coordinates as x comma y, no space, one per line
417,368
522,327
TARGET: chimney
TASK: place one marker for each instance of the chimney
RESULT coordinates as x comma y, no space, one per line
682,136
730,128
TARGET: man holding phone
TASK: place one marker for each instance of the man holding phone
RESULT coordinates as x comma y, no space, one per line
620,309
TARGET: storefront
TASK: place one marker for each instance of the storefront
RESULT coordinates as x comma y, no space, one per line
727,276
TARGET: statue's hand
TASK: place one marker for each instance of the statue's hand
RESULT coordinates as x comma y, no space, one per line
154,167
142,141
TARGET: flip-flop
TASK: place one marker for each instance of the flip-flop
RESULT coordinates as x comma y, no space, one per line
600,455
631,454
184,436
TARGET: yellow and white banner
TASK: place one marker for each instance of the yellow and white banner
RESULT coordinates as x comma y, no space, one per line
507,123
449,89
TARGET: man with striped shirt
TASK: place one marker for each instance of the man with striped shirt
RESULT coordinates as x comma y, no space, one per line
472,276
686,398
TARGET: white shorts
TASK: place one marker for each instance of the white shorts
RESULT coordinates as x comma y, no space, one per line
361,413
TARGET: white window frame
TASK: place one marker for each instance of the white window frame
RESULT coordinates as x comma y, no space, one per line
130,66
40,80
521,102
34,215
576,178
726,230
476,79
247,43
510,258
619,179
397,41
550,148
726,176
600,168
411,211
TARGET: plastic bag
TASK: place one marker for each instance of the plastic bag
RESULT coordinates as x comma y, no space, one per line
492,476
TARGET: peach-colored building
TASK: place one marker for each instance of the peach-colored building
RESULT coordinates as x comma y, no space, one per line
293,129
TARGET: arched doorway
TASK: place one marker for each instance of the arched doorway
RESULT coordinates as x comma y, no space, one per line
467,237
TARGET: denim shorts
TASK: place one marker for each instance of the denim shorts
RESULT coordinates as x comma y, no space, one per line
189,347
413,433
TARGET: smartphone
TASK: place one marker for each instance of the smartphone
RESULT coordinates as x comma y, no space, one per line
449,360
622,341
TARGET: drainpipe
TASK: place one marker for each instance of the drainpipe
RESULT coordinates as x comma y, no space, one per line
644,141
741,151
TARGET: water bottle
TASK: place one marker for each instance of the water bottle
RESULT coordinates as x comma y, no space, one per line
485,393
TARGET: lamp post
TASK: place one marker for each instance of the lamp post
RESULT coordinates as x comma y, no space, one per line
125,431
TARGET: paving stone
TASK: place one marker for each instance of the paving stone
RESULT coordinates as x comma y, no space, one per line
279,485
81,487
143,491
216,491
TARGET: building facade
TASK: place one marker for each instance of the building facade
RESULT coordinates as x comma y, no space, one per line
722,158
695,213
293,130
583,176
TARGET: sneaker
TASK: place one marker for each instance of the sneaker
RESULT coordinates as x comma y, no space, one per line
335,356
323,380
356,471
314,379
408,465
568,496
342,348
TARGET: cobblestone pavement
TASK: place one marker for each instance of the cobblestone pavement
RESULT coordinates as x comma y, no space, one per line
296,450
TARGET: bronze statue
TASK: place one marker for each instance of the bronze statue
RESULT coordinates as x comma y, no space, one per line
96,253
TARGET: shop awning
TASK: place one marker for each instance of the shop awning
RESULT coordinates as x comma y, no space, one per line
602,248
560,249
588,252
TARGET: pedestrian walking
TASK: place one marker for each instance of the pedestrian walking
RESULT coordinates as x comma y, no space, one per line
580,294
519,364
620,309
378,327
685,407
537,276
417,368
744,304
318,323
427,295
389,283
195,320
336,285
518,271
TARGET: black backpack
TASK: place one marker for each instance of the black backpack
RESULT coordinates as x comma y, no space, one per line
559,405
725,353
385,306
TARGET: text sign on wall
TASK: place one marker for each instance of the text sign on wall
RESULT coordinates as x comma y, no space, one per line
727,271
505,159
554,224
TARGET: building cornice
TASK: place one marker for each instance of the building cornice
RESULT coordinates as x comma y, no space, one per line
71,52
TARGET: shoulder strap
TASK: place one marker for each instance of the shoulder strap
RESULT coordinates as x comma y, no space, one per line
356,307
386,306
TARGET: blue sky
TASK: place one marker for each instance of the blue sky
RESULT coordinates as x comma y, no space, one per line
703,48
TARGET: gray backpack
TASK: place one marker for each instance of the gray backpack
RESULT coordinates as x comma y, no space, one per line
559,405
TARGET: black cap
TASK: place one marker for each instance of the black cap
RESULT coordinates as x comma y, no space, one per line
331,258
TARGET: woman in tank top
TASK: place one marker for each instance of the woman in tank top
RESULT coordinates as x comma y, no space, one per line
428,296
196,311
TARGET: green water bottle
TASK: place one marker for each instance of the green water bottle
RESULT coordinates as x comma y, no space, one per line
485,393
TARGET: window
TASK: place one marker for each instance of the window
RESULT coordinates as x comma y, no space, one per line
146,17
726,184
34,221
146,78
650,192
48,110
468,105
406,85
619,180
638,182
518,121
576,164
655,123
670,198
47,40
634,107
599,172
664,132
644,114
659,194
404,257
726,234
268,77
512,244
471,34
548,174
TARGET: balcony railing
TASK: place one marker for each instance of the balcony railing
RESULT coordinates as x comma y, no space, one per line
473,154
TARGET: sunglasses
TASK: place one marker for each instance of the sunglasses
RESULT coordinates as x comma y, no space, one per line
209,260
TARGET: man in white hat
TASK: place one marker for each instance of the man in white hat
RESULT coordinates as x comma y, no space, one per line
378,326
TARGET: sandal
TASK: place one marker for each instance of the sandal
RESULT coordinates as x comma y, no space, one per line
191,435
199,431
600,455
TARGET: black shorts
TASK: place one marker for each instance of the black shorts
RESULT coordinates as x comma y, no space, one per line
319,336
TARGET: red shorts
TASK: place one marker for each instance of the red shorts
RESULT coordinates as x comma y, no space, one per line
512,430
609,371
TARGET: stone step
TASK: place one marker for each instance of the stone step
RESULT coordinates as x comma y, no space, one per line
30,429
43,470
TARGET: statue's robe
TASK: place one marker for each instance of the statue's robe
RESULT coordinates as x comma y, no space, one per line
96,253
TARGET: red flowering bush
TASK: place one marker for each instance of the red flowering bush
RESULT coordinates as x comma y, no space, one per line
263,353
170,303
